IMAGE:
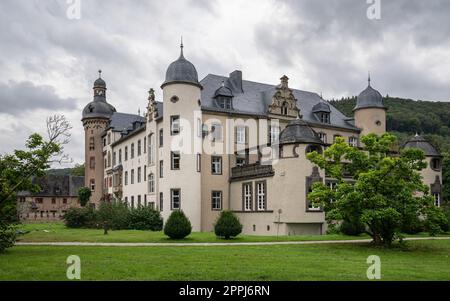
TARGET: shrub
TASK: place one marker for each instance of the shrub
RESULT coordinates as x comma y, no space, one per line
178,225
84,194
351,228
227,225
411,224
7,236
80,217
145,218
114,215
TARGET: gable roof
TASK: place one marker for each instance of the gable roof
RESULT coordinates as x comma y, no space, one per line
123,121
257,97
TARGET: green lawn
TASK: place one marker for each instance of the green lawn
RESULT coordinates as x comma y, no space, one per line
57,232
419,260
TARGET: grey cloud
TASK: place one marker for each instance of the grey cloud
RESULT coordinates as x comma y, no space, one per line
17,98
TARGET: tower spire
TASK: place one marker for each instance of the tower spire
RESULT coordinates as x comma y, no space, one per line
99,73
368,79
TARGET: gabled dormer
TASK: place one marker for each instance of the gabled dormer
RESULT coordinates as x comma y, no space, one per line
224,97
284,103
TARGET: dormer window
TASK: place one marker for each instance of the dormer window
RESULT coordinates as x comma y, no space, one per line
224,102
324,117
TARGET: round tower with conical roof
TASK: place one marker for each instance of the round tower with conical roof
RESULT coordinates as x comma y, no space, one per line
182,143
370,112
95,118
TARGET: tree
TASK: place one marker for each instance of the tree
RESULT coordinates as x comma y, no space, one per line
77,170
178,225
386,188
17,169
84,194
227,225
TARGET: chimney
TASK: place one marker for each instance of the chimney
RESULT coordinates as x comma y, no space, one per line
235,81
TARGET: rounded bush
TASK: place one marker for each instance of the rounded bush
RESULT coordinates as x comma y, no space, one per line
227,225
79,217
7,237
178,225
115,214
145,218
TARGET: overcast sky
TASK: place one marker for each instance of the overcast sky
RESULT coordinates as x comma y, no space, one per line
48,62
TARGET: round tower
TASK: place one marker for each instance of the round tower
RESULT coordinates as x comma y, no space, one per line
432,174
95,118
370,112
182,113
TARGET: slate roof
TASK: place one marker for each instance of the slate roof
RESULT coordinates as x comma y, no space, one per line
258,96
56,185
181,71
123,121
422,144
369,98
298,131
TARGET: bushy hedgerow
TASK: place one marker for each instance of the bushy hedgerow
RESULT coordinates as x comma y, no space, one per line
178,225
80,217
227,225
115,216
145,218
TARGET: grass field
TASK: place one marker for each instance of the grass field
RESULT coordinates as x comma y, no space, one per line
57,232
419,260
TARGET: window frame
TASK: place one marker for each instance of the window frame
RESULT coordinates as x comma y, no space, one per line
172,191
175,120
264,196
172,160
220,165
245,195
214,199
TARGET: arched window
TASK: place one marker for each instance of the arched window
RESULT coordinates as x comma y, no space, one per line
284,108
151,183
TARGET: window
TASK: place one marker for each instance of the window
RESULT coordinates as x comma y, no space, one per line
92,184
39,200
274,133
104,141
216,200
175,199
174,125
240,162
139,175
247,196
261,196
145,145
175,160
284,109
311,206
332,186
126,178
53,201
139,201
132,201
145,173
161,201
132,177
216,132
114,159
161,169
132,151
139,148
199,128
161,138
216,165
109,138
91,143
353,141
199,162
151,151
224,102
92,162
126,153
240,134
109,159
435,164
151,183
324,117
437,199
323,137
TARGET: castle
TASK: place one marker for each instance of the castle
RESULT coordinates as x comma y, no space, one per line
224,143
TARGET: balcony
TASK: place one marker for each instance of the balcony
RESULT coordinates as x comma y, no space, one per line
251,171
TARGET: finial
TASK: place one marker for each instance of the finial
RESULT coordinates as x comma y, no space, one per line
151,94
99,73
181,46
223,83
368,79
139,111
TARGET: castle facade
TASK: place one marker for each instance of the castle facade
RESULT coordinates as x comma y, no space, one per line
225,143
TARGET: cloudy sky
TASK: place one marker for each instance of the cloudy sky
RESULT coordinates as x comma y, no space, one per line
49,61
